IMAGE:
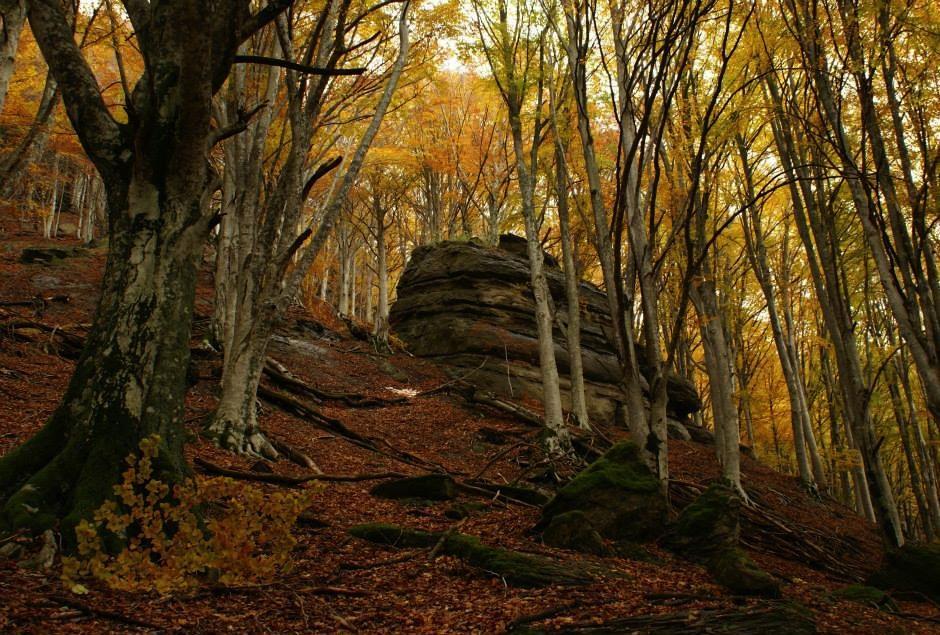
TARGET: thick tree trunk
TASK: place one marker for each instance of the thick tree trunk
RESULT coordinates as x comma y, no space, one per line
130,380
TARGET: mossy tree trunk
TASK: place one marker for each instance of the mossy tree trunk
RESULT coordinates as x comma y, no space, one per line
131,377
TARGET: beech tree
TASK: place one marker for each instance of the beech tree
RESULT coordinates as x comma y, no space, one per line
274,252
131,377
516,57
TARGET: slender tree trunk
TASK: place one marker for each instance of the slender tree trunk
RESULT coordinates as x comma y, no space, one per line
13,19
718,366
572,282
808,216
381,264
557,440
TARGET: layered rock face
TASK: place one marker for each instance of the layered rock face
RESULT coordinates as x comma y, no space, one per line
471,307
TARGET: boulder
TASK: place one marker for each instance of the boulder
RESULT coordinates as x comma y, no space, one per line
708,531
735,570
912,568
617,495
710,524
435,487
46,255
572,530
462,303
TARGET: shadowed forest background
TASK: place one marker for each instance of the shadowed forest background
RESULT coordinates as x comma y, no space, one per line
469,316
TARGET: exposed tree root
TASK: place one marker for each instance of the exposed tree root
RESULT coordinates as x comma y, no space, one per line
280,375
313,416
293,454
231,435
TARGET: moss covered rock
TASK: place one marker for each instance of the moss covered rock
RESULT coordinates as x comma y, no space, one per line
867,595
46,255
708,531
518,569
435,487
618,494
709,525
912,568
735,570
572,530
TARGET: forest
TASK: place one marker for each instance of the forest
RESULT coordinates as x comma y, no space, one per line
491,316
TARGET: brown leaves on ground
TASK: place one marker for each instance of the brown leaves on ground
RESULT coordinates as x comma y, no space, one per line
340,584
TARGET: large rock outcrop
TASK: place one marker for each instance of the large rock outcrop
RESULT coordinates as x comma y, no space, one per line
463,303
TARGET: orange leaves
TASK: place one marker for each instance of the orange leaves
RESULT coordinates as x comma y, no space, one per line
170,543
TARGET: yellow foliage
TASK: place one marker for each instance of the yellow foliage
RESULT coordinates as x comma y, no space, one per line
214,530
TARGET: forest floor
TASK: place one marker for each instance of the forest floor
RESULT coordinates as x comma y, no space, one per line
342,584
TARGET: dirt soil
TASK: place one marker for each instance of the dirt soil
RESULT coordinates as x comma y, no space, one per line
342,584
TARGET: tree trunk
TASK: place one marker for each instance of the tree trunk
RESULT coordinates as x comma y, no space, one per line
572,281
557,440
10,31
718,366
381,264
131,377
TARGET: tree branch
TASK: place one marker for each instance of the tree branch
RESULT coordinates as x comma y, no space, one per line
294,66
319,173
99,133
261,19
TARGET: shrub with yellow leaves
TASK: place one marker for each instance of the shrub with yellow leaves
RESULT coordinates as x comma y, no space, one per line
174,538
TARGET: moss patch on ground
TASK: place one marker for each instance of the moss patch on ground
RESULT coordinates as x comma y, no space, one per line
517,569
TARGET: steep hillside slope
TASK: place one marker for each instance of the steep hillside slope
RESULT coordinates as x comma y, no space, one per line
369,413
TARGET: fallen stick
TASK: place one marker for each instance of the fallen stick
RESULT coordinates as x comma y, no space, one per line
283,479
524,620
279,374
113,616
334,590
39,301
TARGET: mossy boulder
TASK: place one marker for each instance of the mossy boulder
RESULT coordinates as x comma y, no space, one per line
47,255
867,595
735,570
618,495
435,487
517,569
709,525
572,530
912,568
708,531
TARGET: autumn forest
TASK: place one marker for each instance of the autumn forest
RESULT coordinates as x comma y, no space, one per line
469,316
